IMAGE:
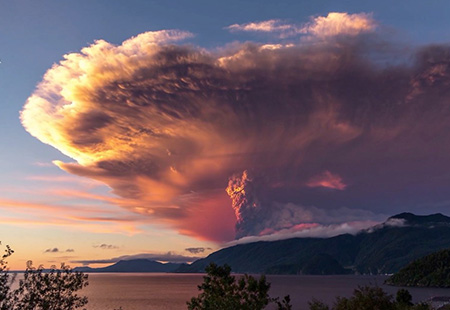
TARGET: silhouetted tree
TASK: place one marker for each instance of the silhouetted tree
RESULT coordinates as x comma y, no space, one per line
371,298
6,280
317,305
366,297
221,291
403,298
284,304
53,289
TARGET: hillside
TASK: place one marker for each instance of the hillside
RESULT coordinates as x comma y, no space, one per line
383,249
135,265
431,271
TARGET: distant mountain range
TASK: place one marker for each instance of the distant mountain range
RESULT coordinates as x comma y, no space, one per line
382,249
134,265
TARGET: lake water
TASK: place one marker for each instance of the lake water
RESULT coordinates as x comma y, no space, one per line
150,291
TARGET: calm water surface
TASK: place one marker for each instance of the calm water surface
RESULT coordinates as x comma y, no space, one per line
149,291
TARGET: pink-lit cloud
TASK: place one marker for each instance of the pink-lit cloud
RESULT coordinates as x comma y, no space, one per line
327,180
339,23
171,257
273,26
87,217
334,24
168,127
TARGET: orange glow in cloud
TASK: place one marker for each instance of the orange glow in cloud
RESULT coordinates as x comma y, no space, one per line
167,127
210,219
327,180
87,217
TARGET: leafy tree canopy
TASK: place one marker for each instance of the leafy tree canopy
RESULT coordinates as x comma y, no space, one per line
40,289
222,291
371,298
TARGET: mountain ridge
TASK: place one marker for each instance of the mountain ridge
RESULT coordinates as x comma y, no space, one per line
411,219
133,265
384,249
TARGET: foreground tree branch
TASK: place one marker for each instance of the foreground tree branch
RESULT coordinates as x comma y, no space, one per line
41,289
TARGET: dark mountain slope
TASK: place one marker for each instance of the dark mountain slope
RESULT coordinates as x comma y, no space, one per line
383,249
432,270
288,255
135,265
391,248
433,219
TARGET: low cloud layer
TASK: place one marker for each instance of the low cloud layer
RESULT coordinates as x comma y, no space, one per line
340,127
311,231
161,257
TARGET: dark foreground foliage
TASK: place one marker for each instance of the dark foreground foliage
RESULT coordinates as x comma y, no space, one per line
371,298
53,289
222,291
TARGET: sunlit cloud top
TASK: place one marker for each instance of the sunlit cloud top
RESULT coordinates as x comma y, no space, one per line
333,24
248,140
340,24
275,26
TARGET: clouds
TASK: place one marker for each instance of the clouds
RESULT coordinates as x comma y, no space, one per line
162,257
197,250
258,214
91,212
296,132
245,200
52,250
105,246
334,24
327,180
273,26
309,231
56,250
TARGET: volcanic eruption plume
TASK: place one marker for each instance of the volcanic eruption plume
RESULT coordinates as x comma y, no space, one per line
336,125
